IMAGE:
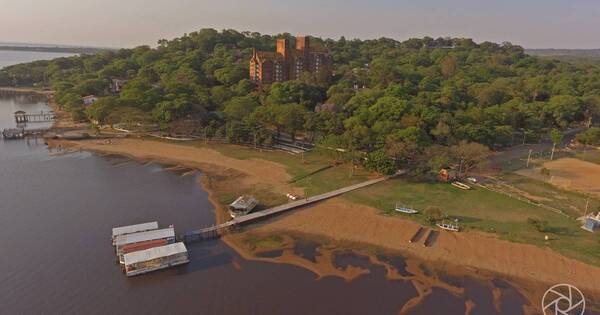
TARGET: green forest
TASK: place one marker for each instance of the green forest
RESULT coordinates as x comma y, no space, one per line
419,103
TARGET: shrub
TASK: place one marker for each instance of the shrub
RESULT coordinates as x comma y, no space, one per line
540,225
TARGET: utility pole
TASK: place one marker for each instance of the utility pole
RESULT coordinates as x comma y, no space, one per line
529,157
587,204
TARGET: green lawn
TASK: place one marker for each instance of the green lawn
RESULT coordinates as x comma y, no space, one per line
299,168
571,203
296,167
480,209
476,209
589,155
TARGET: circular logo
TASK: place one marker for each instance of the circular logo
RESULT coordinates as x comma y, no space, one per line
563,299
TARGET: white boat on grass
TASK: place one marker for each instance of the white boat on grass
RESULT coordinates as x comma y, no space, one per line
406,210
461,185
449,227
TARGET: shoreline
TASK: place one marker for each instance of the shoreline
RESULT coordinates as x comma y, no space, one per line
533,267
26,90
223,172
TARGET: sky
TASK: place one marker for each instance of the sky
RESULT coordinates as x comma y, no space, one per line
128,23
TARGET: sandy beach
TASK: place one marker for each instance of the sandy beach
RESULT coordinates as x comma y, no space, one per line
533,267
342,220
569,174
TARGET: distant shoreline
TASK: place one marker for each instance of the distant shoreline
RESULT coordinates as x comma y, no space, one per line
26,90
69,50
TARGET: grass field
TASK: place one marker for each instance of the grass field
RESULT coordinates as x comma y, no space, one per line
487,211
572,203
476,209
320,182
589,155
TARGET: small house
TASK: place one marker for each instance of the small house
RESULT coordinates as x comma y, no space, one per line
446,175
20,117
242,206
116,85
592,222
89,100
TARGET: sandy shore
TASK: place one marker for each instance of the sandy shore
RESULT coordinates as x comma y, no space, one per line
248,172
63,119
533,268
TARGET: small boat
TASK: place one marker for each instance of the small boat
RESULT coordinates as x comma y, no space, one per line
461,185
293,197
449,227
14,133
406,210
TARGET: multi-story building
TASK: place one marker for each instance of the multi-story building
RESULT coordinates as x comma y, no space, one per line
289,64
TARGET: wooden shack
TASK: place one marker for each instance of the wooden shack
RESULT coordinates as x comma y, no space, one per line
242,206
447,175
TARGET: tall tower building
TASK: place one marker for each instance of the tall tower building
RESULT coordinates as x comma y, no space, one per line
289,64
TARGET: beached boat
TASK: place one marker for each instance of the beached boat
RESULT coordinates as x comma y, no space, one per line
406,210
449,227
461,185
292,196
14,133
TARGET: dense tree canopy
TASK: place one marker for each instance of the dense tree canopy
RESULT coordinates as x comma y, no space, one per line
389,99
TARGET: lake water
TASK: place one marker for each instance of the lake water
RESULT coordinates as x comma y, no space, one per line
56,215
10,57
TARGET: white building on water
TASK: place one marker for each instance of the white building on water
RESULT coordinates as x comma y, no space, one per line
167,234
155,259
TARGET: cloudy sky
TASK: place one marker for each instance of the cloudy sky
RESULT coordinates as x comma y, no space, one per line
126,23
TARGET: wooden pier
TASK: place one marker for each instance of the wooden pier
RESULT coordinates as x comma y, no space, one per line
221,229
20,133
22,117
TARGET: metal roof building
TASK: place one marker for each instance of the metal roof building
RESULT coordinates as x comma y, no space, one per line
154,253
244,203
134,228
168,233
592,222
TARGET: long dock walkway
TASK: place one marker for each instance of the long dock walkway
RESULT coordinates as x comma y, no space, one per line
215,231
23,117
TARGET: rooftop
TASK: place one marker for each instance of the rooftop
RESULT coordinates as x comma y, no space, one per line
144,236
134,228
244,202
154,253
